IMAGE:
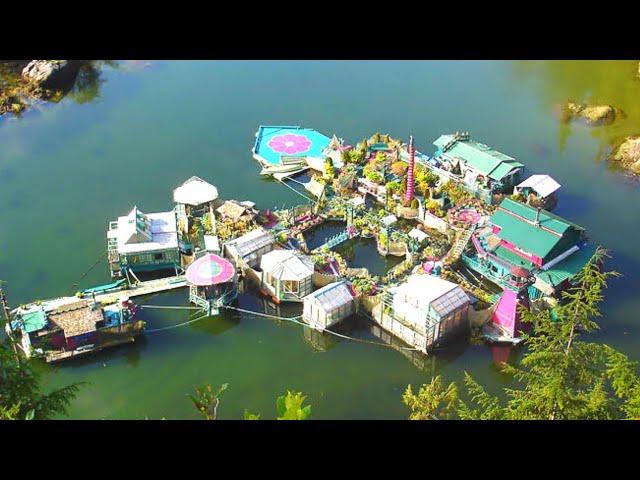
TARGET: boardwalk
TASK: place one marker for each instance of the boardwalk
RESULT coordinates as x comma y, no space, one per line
144,288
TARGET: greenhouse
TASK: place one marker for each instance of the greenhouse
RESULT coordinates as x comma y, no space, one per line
329,305
249,248
287,275
430,306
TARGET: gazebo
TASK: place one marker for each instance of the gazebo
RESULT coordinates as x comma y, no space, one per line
287,275
212,282
194,198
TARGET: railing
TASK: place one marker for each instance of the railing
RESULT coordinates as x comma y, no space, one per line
487,272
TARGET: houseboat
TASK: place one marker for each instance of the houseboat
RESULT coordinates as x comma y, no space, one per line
140,242
68,327
281,149
524,247
478,164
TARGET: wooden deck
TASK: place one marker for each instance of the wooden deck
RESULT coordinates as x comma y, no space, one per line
144,288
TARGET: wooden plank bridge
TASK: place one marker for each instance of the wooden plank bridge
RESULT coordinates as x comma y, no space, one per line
144,288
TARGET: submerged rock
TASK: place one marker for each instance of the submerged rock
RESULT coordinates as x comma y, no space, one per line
591,114
628,154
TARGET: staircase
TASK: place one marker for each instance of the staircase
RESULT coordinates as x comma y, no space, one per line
459,246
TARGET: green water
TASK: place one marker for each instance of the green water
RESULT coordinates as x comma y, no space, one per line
137,132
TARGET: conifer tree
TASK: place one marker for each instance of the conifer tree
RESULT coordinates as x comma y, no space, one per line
561,376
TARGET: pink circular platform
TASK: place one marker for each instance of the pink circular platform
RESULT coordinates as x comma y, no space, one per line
210,270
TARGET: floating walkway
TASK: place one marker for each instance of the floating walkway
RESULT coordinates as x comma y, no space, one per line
143,288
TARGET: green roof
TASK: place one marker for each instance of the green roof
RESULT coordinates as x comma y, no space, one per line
479,156
547,219
526,235
569,267
513,258
31,322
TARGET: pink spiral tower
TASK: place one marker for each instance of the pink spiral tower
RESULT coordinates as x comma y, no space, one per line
410,186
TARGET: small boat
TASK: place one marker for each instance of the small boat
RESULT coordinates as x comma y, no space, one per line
68,327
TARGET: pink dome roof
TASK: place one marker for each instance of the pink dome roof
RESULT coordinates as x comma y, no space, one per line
210,269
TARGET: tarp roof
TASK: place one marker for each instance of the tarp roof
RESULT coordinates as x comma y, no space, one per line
287,265
30,321
331,297
195,191
479,156
543,185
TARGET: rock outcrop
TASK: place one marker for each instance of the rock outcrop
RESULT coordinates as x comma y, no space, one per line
50,73
627,154
591,114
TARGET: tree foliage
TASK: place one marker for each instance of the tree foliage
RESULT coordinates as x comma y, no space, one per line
21,395
561,376
207,399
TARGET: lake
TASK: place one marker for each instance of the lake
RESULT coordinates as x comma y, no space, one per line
136,131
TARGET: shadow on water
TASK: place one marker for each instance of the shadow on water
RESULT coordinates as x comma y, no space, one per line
361,328
130,352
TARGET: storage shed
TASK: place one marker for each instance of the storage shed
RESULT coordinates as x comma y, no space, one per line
329,305
286,275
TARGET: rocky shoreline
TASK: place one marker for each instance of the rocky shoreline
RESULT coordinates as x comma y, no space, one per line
23,82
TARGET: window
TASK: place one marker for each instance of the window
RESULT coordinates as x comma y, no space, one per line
158,256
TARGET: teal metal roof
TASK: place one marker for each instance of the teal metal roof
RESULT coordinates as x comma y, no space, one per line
479,156
547,219
526,235
513,258
569,267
